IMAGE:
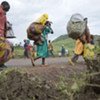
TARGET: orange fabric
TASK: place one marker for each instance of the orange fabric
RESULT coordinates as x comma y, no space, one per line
78,47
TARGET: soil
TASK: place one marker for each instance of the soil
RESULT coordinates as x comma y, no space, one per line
54,68
22,81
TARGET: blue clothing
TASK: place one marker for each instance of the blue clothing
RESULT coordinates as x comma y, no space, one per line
62,51
42,50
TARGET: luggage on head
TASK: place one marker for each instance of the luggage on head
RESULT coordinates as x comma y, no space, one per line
34,30
37,27
76,26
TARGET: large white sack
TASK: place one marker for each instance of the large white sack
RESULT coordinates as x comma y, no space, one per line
76,26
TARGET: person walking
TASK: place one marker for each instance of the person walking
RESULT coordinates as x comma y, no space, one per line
50,48
63,51
5,46
42,50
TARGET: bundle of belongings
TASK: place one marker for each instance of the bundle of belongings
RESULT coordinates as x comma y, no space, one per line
77,29
76,26
35,29
9,30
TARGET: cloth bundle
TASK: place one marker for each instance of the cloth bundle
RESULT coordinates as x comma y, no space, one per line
34,31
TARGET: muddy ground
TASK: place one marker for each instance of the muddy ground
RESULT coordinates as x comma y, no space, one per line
54,67
22,81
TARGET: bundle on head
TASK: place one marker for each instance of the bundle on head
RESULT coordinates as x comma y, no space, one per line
76,26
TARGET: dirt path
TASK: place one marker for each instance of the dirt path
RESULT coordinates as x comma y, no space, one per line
55,67
50,75
49,61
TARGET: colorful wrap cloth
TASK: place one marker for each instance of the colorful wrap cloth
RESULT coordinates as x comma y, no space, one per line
5,50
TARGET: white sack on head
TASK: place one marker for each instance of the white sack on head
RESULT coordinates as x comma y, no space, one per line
76,26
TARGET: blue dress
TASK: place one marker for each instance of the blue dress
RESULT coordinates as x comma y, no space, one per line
42,50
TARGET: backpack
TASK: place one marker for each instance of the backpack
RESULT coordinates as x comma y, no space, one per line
76,26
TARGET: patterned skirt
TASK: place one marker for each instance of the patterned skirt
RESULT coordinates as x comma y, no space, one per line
5,50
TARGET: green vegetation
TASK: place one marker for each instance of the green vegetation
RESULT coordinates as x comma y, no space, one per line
68,43
18,52
63,40
72,88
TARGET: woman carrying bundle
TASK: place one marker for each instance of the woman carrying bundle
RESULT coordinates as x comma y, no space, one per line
42,46
80,45
5,46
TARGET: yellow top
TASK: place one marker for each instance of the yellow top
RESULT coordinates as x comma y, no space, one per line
78,47
43,19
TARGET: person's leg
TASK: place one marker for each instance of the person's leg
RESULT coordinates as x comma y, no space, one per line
2,65
33,60
52,53
43,61
75,58
25,53
31,57
37,58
